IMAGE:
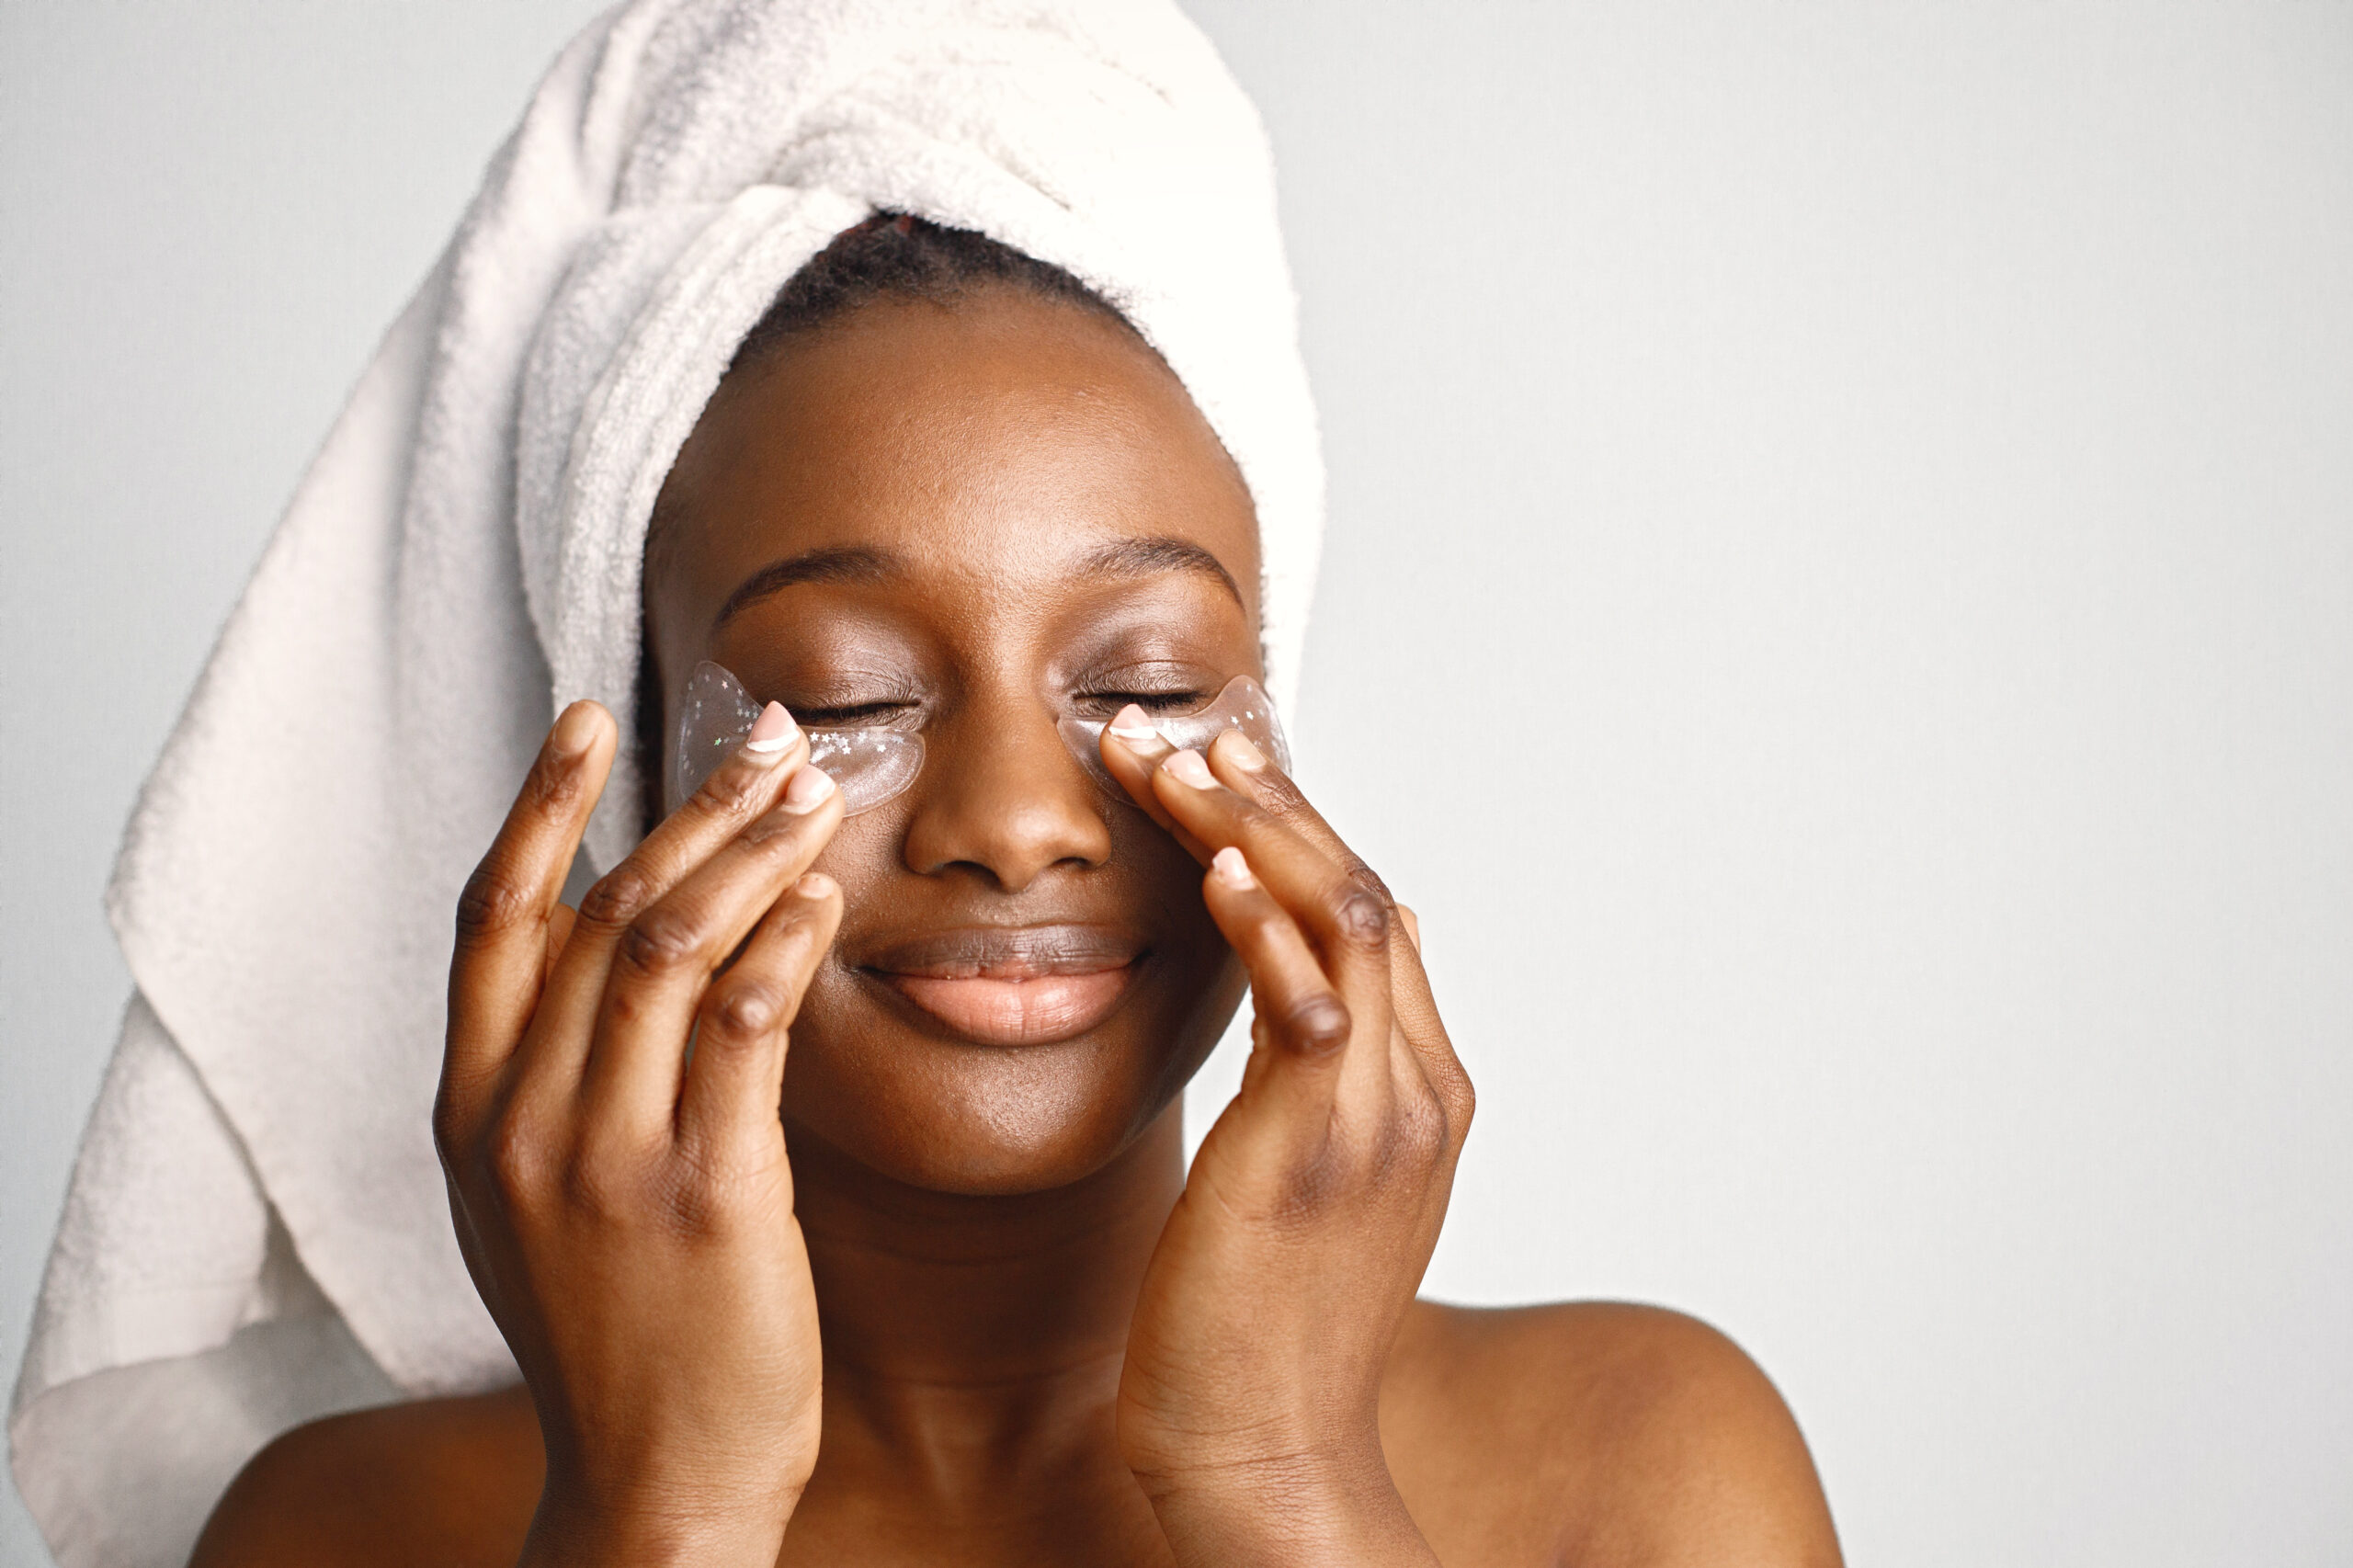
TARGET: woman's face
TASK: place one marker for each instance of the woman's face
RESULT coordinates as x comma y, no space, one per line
979,520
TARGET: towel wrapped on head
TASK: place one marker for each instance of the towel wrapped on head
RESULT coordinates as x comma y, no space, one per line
256,1231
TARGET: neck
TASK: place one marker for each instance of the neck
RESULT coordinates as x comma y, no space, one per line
968,1340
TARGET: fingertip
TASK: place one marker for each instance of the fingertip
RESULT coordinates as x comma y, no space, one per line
1231,867
577,729
816,887
772,731
1131,759
1237,750
1189,769
807,790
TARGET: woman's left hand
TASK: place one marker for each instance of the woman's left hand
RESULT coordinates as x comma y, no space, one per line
1249,1403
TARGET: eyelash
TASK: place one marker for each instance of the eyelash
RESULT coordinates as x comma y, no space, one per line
1150,701
843,718
1106,700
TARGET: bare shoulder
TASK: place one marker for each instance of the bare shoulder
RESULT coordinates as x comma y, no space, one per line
442,1481
1597,1433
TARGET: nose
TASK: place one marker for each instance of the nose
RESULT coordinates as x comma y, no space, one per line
1002,797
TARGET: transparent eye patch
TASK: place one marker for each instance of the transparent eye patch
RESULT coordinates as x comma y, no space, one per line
1243,705
716,713
872,766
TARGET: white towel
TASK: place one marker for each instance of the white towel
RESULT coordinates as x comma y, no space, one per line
256,1231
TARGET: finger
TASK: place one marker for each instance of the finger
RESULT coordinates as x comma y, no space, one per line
1132,749
739,789
1346,924
1300,1025
1346,921
1422,1033
734,1087
663,965
1243,767
501,959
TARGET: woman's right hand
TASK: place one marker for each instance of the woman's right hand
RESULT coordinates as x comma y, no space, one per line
624,1203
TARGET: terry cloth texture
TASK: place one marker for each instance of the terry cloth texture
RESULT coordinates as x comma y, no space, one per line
256,1231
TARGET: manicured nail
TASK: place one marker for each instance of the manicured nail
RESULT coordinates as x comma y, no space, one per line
575,727
1228,866
1187,767
771,732
1244,752
807,790
815,886
1131,725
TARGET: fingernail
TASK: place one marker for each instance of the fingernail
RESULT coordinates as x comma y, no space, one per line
574,728
1131,725
1244,752
815,886
771,732
807,790
1187,767
1231,869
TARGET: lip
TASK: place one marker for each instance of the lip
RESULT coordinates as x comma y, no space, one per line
1013,985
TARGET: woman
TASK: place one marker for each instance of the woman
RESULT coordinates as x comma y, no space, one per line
961,1300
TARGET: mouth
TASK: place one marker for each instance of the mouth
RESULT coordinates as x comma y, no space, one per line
1019,986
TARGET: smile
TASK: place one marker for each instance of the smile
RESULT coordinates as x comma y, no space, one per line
1026,985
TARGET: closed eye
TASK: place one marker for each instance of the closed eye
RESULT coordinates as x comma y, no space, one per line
859,715
1109,702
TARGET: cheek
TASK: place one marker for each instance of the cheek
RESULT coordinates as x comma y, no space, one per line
862,856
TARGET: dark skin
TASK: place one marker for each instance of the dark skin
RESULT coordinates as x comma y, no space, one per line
960,1301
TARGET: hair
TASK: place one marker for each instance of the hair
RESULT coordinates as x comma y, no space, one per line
903,256
889,254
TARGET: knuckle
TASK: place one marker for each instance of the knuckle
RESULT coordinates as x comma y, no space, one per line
1278,795
448,1127
492,904
695,1201
732,790
746,1011
553,786
1407,1144
661,942
1316,1025
1313,1182
1421,1130
1361,915
599,1185
516,1157
704,1193
617,896
1461,1100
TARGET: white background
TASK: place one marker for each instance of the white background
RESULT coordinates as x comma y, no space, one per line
1839,613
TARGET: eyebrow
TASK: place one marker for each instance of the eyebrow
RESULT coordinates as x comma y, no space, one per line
1142,557
845,564
1121,557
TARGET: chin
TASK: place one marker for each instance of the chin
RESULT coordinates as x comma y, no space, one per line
916,1106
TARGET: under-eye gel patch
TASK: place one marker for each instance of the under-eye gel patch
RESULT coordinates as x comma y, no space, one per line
716,713
1242,705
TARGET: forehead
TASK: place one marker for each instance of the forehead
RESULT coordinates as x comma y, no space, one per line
1001,439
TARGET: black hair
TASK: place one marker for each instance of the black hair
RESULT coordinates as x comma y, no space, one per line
903,256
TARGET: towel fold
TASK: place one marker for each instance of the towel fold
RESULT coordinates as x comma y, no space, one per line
256,1231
